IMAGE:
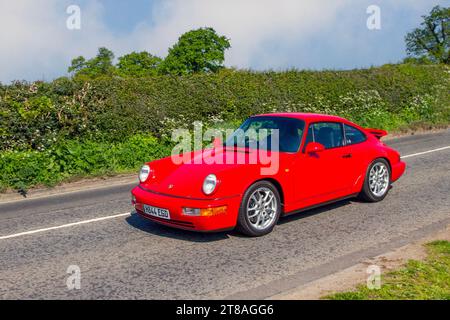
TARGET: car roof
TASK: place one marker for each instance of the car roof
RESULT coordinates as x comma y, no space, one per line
310,117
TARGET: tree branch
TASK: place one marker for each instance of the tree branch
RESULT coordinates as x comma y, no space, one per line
424,46
444,38
432,28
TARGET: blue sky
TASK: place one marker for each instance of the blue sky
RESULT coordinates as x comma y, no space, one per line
265,34
122,16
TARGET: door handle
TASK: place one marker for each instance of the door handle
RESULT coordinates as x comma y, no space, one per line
346,156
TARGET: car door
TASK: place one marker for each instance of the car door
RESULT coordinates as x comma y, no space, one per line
321,176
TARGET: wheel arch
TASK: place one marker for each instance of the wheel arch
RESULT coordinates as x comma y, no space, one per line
359,182
277,185
384,157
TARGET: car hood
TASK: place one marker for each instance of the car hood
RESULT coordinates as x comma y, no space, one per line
231,166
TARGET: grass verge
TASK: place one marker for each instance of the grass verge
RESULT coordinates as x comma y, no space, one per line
417,280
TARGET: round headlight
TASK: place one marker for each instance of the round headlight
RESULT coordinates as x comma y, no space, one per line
209,184
144,173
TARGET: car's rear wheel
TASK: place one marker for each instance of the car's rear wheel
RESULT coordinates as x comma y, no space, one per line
260,209
377,181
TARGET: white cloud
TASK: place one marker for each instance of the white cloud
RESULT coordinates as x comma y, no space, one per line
35,43
250,24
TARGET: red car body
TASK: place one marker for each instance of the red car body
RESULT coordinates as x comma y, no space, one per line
304,179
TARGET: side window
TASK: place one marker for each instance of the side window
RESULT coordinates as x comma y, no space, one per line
329,134
353,135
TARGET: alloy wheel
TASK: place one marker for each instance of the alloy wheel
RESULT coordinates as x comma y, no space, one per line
379,179
262,208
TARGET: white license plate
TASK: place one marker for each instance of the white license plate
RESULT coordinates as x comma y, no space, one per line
156,212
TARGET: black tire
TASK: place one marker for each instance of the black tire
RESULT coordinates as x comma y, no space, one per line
366,193
244,224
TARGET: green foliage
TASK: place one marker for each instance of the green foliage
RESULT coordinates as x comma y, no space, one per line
36,119
138,64
72,158
100,65
417,60
429,279
38,115
77,65
432,39
200,50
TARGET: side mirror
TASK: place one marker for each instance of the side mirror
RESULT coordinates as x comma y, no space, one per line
314,147
217,143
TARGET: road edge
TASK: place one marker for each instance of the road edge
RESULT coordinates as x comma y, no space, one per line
349,278
86,184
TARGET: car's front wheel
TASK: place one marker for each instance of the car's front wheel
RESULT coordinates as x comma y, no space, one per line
377,181
260,209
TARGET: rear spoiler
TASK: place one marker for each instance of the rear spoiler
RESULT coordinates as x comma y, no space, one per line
376,132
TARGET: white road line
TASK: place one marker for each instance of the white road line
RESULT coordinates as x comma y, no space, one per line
63,226
424,152
127,213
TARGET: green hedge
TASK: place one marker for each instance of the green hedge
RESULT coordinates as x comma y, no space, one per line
22,169
102,116
36,116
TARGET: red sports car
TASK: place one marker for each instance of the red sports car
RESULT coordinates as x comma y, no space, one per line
252,179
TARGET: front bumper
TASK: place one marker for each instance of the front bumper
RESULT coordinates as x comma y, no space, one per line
175,206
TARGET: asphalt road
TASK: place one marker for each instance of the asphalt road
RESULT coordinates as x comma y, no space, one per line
128,257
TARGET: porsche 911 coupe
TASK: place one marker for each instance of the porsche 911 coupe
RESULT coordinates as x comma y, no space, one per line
317,159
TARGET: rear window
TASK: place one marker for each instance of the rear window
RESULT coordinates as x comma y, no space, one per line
329,134
353,135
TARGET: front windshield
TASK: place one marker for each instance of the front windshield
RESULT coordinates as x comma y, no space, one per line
269,133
